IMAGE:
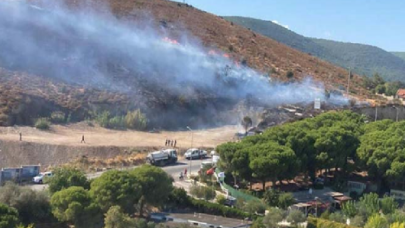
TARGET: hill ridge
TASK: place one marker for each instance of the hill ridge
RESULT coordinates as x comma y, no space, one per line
362,58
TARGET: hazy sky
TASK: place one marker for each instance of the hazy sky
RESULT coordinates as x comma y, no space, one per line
376,22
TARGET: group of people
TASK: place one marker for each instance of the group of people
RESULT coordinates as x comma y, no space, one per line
171,143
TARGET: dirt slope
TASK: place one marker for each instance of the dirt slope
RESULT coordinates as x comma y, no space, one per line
62,143
258,51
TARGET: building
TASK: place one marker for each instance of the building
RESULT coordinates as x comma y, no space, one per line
200,220
401,94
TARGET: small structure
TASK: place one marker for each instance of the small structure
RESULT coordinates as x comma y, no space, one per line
401,94
200,220
303,207
337,199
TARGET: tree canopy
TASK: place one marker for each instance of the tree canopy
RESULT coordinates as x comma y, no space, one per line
66,177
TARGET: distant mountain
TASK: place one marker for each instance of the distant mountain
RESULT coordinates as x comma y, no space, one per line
362,59
399,54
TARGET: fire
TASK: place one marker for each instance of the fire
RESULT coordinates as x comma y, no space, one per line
171,41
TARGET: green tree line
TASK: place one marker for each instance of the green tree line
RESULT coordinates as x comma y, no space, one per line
341,141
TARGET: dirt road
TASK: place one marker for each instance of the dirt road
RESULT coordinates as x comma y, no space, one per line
71,135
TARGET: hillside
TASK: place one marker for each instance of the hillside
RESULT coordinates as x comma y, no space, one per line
399,54
84,71
363,59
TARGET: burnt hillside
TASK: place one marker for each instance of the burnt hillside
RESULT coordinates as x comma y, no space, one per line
178,64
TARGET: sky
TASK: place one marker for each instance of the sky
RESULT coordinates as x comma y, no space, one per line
379,23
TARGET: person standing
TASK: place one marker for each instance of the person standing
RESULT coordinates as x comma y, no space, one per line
175,142
20,136
83,139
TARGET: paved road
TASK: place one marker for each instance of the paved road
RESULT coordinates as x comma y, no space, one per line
173,170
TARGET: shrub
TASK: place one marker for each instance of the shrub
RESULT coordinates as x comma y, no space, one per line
337,217
42,124
376,221
273,217
117,122
202,206
275,198
285,200
33,206
136,120
8,216
116,218
203,192
296,217
358,221
221,199
178,198
254,206
271,197
103,118
322,223
57,117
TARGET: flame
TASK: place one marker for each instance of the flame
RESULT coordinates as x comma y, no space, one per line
171,41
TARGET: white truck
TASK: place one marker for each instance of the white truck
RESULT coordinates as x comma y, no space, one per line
195,154
162,157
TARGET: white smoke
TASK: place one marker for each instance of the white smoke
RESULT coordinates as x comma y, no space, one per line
84,47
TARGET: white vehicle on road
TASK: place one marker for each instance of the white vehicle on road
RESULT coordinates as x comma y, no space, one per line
40,178
195,154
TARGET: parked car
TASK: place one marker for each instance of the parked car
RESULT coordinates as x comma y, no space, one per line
40,178
195,154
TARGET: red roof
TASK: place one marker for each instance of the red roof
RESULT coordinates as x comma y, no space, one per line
401,93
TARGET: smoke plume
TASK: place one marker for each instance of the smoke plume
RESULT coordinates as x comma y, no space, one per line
99,50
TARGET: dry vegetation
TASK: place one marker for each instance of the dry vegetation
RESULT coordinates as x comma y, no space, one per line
25,97
97,164
258,51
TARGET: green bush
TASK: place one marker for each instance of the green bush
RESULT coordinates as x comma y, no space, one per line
8,216
136,120
57,117
117,122
255,206
322,223
202,206
178,198
285,200
42,124
133,120
295,217
33,206
221,199
103,118
203,192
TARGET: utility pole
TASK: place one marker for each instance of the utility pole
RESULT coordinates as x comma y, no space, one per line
191,157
